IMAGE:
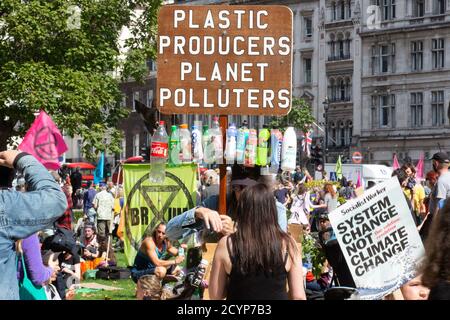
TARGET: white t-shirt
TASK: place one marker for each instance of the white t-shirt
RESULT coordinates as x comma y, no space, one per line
105,204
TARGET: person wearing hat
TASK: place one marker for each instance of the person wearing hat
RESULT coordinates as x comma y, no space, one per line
441,191
206,216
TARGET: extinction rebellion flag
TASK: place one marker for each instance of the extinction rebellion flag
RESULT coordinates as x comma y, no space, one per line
44,141
148,204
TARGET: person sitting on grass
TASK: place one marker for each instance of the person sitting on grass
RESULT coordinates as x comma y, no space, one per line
89,241
150,257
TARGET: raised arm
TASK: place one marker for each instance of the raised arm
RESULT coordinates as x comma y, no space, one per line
28,212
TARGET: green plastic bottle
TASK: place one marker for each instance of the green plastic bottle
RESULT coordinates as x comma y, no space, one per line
174,147
263,147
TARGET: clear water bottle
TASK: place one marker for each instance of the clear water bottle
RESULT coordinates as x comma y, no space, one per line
230,148
197,149
159,150
208,147
276,142
241,142
217,139
174,147
185,144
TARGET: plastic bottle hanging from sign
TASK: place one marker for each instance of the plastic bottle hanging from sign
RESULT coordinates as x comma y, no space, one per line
289,150
185,144
159,150
241,143
174,146
263,147
230,148
250,150
276,142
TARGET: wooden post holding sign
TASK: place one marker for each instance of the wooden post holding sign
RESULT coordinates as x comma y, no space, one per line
224,60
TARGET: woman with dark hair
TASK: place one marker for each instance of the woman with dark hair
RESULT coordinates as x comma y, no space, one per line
256,261
436,269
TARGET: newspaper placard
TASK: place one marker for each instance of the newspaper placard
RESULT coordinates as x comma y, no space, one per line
379,239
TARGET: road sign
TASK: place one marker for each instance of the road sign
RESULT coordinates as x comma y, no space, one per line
357,157
225,60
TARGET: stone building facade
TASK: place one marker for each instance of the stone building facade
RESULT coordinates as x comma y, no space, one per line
405,81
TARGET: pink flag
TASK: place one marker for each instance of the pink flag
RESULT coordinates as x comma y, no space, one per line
419,168
44,141
396,165
358,181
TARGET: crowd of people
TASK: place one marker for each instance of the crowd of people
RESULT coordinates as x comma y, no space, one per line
256,255
52,249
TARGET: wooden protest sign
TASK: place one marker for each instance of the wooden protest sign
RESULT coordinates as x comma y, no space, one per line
379,239
224,60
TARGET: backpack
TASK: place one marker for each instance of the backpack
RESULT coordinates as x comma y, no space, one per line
113,273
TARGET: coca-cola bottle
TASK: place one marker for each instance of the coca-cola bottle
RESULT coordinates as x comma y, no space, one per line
158,154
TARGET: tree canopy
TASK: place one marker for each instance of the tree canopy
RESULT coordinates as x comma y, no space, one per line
63,56
300,117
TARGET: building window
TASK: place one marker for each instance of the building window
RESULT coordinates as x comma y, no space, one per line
136,97
333,11
383,111
439,6
350,134
332,141
151,65
416,109
437,108
383,58
342,91
340,47
349,9
308,72
374,109
437,53
387,7
342,10
342,136
308,27
149,98
136,145
416,55
419,8
339,90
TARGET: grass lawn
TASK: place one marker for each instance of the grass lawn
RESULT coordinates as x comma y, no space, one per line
127,292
